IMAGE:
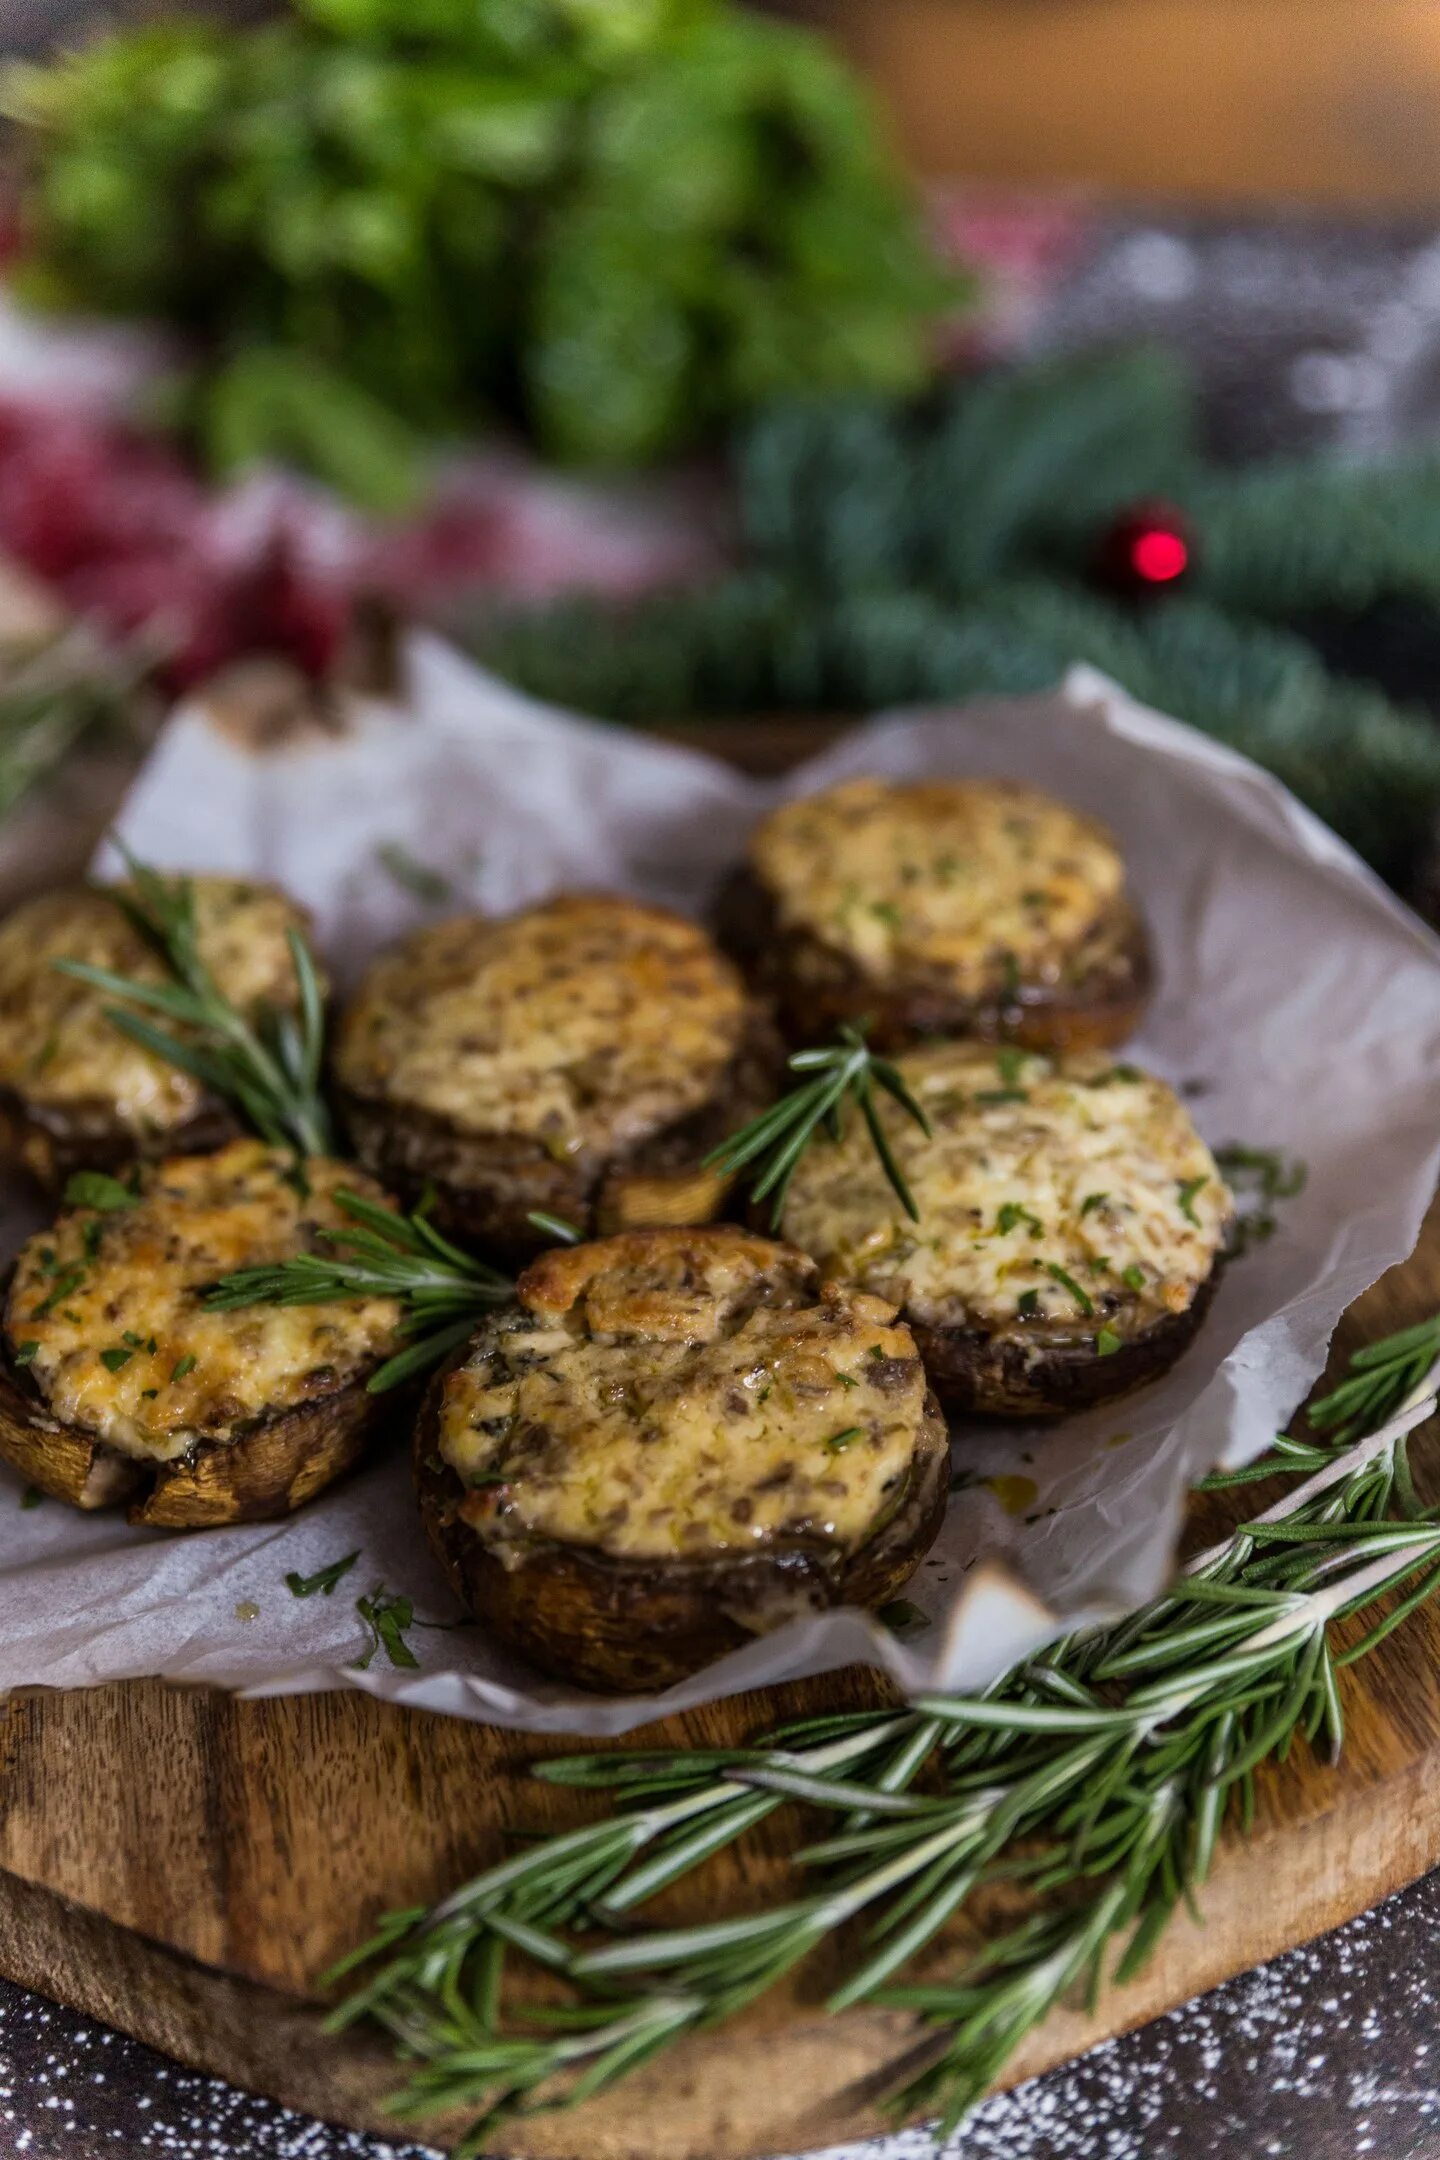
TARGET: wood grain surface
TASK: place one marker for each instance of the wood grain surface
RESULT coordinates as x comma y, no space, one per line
183,1865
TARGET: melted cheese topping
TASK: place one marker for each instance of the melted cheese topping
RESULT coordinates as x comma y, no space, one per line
984,882
1073,1194
678,1393
106,1311
587,1022
57,1047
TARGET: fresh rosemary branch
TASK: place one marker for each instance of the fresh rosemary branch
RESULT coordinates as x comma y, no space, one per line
1097,1774
270,1069
59,693
771,1145
441,1288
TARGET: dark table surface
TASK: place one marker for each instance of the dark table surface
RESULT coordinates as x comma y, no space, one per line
1301,333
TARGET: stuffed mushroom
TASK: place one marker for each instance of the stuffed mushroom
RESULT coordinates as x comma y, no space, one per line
674,1440
1071,1227
77,1093
120,1385
578,1059
927,908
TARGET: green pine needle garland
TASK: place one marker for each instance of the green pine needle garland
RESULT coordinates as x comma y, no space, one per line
895,554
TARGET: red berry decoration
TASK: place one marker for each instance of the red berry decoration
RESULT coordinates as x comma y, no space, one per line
1150,548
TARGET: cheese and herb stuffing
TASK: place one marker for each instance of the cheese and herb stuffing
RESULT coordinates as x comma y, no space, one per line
675,1394
1070,1194
587,1022
982,883
58,1049
106,1316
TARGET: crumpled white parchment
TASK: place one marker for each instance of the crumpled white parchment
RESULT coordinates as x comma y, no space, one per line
1298,1007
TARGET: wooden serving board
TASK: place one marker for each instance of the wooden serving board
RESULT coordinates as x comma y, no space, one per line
182,1865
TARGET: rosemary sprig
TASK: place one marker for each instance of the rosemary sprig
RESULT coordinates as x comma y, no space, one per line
441,1288
1098,1774
64,691
847,1071
268,1069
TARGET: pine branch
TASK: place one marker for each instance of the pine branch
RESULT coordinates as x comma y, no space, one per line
1100,1772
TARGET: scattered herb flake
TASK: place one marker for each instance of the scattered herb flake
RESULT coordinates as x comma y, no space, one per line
182,1366
387,1615
1133,1277
1107,1342
1067,1282
96,1189
1012,1213
31,1497
67,1280
323,1580
846,1379
1185,1192
412,876
1028,1304
26,1352
113,1359
1002,1095
902,1618
1009,1063
1091,1201
838,1442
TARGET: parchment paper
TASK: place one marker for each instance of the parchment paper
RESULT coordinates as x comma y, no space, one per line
1298,1007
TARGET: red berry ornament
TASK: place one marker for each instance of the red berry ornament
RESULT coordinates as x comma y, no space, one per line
1149,549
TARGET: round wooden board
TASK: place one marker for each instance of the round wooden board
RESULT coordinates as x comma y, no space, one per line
182,1865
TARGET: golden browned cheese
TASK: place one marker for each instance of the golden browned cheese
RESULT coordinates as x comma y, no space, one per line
57,1047
1071,1192
106,1310
978,882
671,1394
589,1021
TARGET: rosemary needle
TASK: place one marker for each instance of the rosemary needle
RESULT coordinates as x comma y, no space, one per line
1095,1777
771,1145
441,1288
267,1068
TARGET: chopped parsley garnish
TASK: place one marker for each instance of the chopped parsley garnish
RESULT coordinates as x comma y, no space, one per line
1116,1072
1091,1201
1185,1192
838,1442
182,1366
67,1280
1012,1213
885,911
96,1189
1009,1063
387,1615
323,1580
1002,1095
1028,1303
412,876
1107,1342
1133,1277
26,1352
847,1379
113,1359
1067,1282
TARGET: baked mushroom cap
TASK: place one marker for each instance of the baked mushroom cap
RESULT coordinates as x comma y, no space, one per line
1071,1224
673,1440
76,1093
120,1383
579,1058
940,907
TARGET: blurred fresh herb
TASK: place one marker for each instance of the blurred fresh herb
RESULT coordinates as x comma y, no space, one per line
382,220
59,692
